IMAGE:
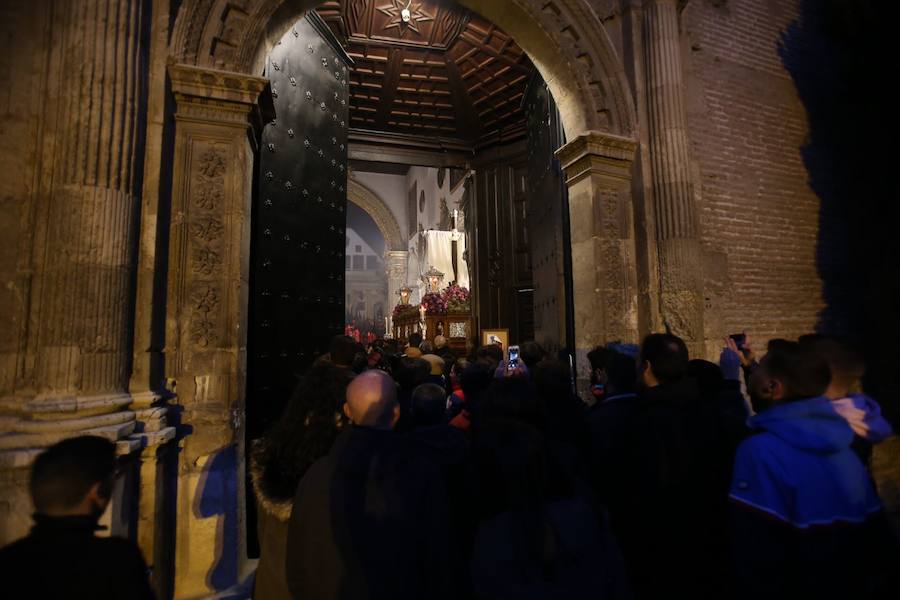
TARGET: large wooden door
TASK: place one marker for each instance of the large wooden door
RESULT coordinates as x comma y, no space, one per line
548,221
298,239
521,241
502,278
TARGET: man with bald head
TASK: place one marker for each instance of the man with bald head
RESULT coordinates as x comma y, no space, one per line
372,401
370,520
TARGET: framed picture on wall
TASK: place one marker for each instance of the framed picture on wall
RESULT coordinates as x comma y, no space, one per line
495,336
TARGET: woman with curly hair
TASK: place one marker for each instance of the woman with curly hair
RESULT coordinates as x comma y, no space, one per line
311,421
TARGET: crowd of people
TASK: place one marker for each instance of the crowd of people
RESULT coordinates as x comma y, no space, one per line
415,473
365,331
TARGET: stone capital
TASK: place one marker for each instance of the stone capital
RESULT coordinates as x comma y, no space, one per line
222,97
397,259
597,153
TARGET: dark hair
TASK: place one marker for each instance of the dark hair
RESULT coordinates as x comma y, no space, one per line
621,374
565,412
667,355
599,357
429,402
532,353
63,474
343,350
412,372
708,376
801,370
311,421
392,346
553,380
491,354
415,338
513,398
476,378
846,364
620,369
459,366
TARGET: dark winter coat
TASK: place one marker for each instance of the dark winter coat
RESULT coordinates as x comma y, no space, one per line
647,454
62,558
579,557
369,521
273,514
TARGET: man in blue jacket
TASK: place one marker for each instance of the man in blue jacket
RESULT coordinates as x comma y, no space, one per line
806,520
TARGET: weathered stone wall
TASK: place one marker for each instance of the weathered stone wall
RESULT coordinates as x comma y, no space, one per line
70,193
217,119
23,40
72,141
759,216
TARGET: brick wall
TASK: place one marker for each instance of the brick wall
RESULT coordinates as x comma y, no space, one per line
747,127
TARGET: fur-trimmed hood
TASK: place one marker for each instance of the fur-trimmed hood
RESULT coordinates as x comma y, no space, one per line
264,488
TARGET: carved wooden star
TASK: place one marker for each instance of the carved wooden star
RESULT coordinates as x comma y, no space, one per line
395,11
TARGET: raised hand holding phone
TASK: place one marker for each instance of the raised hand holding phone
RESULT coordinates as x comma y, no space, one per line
513,363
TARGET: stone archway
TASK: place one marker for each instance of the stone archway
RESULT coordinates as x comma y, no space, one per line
396,255
215,49
369,201
564,39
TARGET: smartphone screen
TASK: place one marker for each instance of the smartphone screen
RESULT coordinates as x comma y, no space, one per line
513,361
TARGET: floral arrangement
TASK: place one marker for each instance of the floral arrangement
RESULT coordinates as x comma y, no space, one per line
434,304
404,311
458,299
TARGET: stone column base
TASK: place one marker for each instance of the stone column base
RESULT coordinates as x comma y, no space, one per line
46,420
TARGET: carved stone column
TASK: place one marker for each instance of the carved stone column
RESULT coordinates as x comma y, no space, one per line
156,520
681,295
396,273
209,255
604,273
75,373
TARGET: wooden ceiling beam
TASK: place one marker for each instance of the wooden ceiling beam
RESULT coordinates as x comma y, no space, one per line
465,91
471,125
468,37
391,80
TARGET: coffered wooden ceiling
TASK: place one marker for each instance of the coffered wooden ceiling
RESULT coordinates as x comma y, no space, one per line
445,72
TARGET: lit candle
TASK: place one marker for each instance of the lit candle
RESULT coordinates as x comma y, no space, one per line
422,311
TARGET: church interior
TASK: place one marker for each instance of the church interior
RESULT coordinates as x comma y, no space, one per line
199,195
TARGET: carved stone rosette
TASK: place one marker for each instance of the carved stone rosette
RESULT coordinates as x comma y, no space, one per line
216,117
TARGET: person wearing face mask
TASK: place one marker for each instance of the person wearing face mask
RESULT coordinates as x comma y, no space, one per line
71,485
